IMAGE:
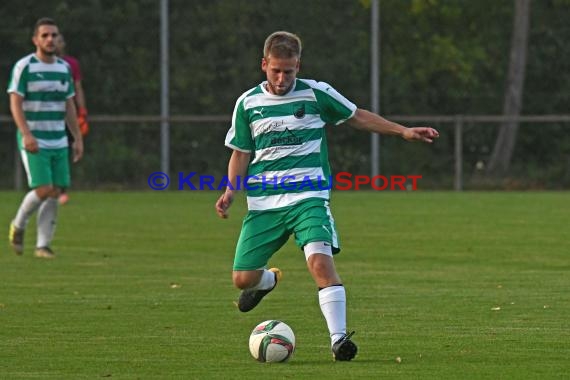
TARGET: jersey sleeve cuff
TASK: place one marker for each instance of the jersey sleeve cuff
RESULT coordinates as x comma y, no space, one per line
350,117
237,148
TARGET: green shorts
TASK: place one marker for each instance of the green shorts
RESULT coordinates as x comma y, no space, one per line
264,232
47,167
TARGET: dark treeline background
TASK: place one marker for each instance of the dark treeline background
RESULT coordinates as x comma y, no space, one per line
438,57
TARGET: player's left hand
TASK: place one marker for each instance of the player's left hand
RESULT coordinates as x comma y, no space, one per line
424,134
77,150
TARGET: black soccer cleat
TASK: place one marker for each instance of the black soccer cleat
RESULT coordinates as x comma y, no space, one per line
344,349
249,299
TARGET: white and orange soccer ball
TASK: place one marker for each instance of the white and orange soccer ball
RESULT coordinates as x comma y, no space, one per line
272,341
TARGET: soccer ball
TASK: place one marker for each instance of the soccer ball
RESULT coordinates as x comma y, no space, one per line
271,342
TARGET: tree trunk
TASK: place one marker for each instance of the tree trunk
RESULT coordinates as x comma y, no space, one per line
505,143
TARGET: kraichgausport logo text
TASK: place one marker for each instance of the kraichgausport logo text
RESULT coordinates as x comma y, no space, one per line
341,181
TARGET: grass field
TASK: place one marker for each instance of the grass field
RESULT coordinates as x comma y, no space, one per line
457,285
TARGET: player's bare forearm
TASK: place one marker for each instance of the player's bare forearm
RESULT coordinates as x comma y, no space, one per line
71,120
237,169
80,95
16,108
371,122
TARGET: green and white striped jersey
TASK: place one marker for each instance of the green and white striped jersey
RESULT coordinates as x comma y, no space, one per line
45,88
286,138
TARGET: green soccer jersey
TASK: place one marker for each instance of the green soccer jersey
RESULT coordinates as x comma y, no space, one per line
286,138
45,88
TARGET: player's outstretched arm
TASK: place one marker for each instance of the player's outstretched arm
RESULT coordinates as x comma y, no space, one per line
371,122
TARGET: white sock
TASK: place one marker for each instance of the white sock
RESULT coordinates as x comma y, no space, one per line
47,215
333,305
267,281
29,205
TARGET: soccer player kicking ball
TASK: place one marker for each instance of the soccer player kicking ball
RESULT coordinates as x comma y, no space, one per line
278,132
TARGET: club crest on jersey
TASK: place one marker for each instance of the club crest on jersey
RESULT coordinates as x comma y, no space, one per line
299,112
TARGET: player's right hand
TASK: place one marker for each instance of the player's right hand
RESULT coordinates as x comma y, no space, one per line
30,143
224,203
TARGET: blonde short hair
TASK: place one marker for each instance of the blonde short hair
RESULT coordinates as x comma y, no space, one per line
282,44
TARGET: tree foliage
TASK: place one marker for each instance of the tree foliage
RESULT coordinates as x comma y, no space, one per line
437,56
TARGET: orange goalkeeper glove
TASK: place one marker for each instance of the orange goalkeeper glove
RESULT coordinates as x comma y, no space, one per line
82,121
